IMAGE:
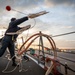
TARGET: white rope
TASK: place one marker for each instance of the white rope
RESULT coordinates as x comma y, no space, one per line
19,60
4,71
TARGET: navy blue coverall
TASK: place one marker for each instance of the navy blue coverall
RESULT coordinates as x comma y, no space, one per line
7,40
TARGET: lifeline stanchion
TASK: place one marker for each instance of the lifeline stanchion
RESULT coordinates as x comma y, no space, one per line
66,73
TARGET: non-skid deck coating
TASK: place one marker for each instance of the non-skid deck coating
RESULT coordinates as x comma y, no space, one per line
30,67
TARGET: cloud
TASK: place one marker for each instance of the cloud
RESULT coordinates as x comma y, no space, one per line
30,4
66,43
58,2
66,27
19,3
70,40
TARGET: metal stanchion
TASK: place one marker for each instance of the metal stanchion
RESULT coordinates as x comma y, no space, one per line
66,67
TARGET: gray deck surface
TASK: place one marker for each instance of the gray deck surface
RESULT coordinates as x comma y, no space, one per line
30,67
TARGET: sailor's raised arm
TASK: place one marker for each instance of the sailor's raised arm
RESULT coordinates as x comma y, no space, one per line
19,21
31,16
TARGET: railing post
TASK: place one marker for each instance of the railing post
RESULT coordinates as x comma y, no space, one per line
42,46
66,72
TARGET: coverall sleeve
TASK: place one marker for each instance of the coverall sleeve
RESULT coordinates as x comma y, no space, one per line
18,21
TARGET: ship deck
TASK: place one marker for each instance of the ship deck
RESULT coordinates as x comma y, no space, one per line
29,68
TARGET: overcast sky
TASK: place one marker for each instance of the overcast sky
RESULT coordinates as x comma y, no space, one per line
60,19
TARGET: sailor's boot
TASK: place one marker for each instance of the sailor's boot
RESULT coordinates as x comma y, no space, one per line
13,61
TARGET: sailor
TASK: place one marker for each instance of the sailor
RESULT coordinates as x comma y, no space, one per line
8,40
